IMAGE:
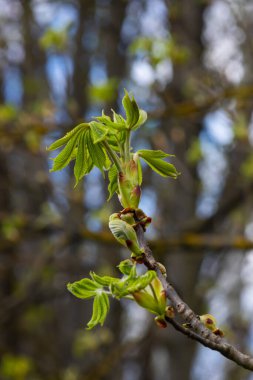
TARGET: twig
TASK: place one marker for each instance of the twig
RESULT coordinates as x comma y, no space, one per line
197,331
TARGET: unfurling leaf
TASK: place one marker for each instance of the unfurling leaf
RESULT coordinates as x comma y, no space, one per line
132,110
100,310
98,131
142,118
96,151
62,141
146,301
113,181
83,163
103,280
141,282
126,266
125,234
84,288
65,156
155,159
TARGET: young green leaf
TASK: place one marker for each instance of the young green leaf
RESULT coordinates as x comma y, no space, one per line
147,301
141,282
142,118
132,110
84,288
100,310
83,164
112,125
98,131
113,181
146,153
58,143
139,168
126,266
155,160
118,119
103,280
65,156
96,152
125,234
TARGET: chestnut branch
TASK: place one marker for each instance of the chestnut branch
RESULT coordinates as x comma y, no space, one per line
197,330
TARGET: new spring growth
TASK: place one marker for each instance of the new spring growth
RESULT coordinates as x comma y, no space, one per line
209,322
125,234
134,217
122,226
129,182
153,299
105,143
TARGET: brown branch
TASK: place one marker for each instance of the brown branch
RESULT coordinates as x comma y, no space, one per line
191,108
197,331
188,240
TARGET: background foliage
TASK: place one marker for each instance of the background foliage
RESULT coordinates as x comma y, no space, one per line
189,64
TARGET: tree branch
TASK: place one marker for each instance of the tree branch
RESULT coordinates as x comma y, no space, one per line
189,240
197,331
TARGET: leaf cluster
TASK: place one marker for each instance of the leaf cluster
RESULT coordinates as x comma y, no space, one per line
105,143
101,287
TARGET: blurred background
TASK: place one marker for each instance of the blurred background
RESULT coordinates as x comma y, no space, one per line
189,63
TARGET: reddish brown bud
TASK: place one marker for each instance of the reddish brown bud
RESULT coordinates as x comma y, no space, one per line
127,210
138,259
219,333
160,322
129,243
139,214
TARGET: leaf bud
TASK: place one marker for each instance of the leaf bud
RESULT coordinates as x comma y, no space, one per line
125,234
160,322
208,321
219,333
170,312
162,269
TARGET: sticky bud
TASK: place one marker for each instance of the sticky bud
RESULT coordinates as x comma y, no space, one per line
162,268
219,333
170,312
160,322
208,321
140,214
125,234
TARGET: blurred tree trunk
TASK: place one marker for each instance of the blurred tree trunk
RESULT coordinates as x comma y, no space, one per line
23,191
178,200
114,54
33,66
81,65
